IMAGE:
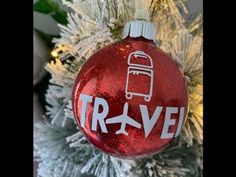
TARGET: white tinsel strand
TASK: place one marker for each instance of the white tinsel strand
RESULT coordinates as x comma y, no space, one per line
98,160
68,111
60,75
100,164
58,99
103,165
103,13
168,15
76,140
176,161
56,158
195,26
187,51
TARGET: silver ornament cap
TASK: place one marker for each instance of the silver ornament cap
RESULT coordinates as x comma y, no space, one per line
140,28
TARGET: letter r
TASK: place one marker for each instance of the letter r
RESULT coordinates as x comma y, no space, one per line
99,117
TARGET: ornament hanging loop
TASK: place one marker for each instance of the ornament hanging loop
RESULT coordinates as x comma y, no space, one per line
141,10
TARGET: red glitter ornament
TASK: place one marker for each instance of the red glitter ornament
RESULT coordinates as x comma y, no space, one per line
130,98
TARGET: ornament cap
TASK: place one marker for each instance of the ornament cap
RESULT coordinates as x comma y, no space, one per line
138,28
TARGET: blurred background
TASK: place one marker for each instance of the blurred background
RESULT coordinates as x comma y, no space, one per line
47,14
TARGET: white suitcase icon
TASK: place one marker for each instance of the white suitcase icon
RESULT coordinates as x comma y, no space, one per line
136,70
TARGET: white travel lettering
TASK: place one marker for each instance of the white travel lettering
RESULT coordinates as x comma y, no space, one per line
181,121
99,117
147,122
101,110
168,122
85,100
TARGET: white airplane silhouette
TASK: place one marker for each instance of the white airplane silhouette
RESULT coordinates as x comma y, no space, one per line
123,119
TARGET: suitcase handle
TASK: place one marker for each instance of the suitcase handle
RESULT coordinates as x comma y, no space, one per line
142,55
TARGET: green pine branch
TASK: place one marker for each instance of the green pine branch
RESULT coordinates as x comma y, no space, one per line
52,8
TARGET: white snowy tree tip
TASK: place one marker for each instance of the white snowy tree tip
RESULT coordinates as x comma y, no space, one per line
141,10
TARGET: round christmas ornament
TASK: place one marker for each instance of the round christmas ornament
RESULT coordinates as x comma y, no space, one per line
130,99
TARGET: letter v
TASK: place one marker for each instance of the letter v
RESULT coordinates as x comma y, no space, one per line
147,122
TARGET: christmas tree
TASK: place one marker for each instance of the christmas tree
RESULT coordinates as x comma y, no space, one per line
61,148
